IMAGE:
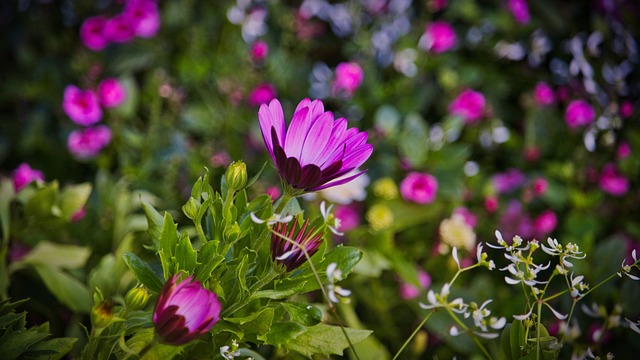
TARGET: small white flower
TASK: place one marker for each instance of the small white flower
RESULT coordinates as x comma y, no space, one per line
275,218
336,293
635,326
326,215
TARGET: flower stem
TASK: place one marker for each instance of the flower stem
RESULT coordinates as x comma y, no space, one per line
413,334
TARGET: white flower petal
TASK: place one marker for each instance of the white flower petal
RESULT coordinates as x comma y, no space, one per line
557,314
454,253
256,219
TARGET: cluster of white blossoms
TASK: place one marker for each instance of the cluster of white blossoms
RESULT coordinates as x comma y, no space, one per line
486,326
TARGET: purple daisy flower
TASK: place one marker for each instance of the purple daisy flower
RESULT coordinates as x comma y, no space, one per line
316,151
284,252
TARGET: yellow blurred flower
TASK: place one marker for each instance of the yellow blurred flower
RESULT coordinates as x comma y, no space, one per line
455,232
380,217
385,188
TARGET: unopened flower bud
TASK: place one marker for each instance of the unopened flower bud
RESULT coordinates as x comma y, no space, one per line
136,298
236,175
232,232
190,209
102,314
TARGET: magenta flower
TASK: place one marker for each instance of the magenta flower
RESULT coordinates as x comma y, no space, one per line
348,78
469,218
543,94
409,291
284,252
111,93
520,11
626,109
545,223
92,33
82,106
420,188
469,105
438,37
87,143
316,152
579,113
540,186
185,311
349,216
24,175
119,29
612,181
143,17
508,181
259,51
623,151
262,94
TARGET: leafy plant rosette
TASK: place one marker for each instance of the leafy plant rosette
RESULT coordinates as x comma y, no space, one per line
227,250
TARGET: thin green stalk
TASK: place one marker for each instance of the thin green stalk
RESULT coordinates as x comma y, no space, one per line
466,329
413,334
538,325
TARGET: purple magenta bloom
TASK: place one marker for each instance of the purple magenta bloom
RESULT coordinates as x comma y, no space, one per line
87,143
438,37
185,311
119,29
469,218
348,78
316,152
349,216
579,113
469,105
508,181
92,33
543,94
111,92
520,11
545,223
409,291
144,17
262,94
623,151
626,109
82,106
612,181
259,50
24,175
284,252
420,188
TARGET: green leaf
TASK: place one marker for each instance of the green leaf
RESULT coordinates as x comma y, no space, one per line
56,255
66,289
258,323
14,344
282,333
73,198
516,338
154,220
209,261
162,351
289,289
256,176
241,272
325,339
41,204
186,255
6,197
143,272
52,349
305,314
505,342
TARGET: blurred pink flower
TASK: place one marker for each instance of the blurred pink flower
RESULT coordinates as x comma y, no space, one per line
532,153
437,5
469,218
262,94
220,159
623,151
491,204
626,109
24,175
438,37
515,221
410,291
111,92
82,106
579,113
92,33
143,16
349,216
543,94
508,181
612,181
79,215
519,10
419,188
469,105
540,186
259,51
119,29
348,78
273,192
87,143
545,223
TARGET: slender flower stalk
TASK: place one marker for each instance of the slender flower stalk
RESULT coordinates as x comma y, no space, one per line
316,151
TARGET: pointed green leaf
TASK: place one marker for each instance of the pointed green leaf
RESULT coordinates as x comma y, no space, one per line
326,340
185,254
73,198
66,288
52,349
41,204
143,272
56,255
282,333
305,314
154,219
15,344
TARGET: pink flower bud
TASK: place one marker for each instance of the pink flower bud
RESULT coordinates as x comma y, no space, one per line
469,105
579,113
419,188
81,106
111,93
348,78
438,37
543,94
24,175
87,143
92,33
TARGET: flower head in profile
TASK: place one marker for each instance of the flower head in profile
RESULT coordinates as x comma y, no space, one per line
92,33
185,311
420,188
144,17
316,151
469,105
82,106
87,143
283,249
